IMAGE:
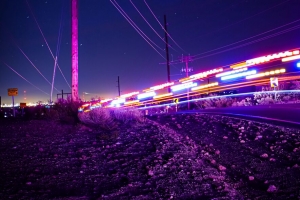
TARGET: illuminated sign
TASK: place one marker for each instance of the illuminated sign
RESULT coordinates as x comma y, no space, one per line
231,72
239,75
12,91
163,95
271,57
205,86
183,86
129,94
145,95
204,74
274,82
278,71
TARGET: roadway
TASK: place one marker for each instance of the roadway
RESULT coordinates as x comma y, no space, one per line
278,114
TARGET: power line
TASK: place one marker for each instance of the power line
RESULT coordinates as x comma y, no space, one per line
258,40
163,26
244,19
248,38
150,25
136,28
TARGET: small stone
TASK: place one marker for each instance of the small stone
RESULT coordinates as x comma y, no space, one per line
272,188
225,137
150,173
264,155
28,183
251,178
41,149
242,141
222,168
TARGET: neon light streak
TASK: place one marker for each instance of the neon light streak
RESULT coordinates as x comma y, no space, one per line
270,57
117,101
158,87
298,64
163,95
239,75
145,95
204,74
105,100
129,94
131,102
278,71
239,65
183,86
291,58
232,72
205,86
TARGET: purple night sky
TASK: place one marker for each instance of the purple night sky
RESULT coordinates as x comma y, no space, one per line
110,47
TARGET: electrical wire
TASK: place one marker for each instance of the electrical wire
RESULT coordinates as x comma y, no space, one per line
244,19
249,37
136,29
150,25
163,27
25,79
132,22
46,42
257,40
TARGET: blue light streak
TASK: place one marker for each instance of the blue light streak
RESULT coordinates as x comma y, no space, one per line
247,73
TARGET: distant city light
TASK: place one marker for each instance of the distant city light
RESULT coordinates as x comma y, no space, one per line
239,75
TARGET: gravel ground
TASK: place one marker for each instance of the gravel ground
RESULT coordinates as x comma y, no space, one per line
180,156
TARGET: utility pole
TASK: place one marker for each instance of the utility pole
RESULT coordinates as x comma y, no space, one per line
167,49
75,50
119,86
187,59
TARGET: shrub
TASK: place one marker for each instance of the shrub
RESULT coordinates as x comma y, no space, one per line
64,111
127,115
99,118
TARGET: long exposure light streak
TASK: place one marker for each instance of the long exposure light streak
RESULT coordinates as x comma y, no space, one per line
34,65
25,79
46,42
268,73
239,75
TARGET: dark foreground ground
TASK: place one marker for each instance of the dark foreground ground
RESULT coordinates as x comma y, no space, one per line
186,156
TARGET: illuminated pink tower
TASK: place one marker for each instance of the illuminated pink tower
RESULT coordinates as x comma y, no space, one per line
75,50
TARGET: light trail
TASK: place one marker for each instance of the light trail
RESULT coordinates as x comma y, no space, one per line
46,42
25,79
